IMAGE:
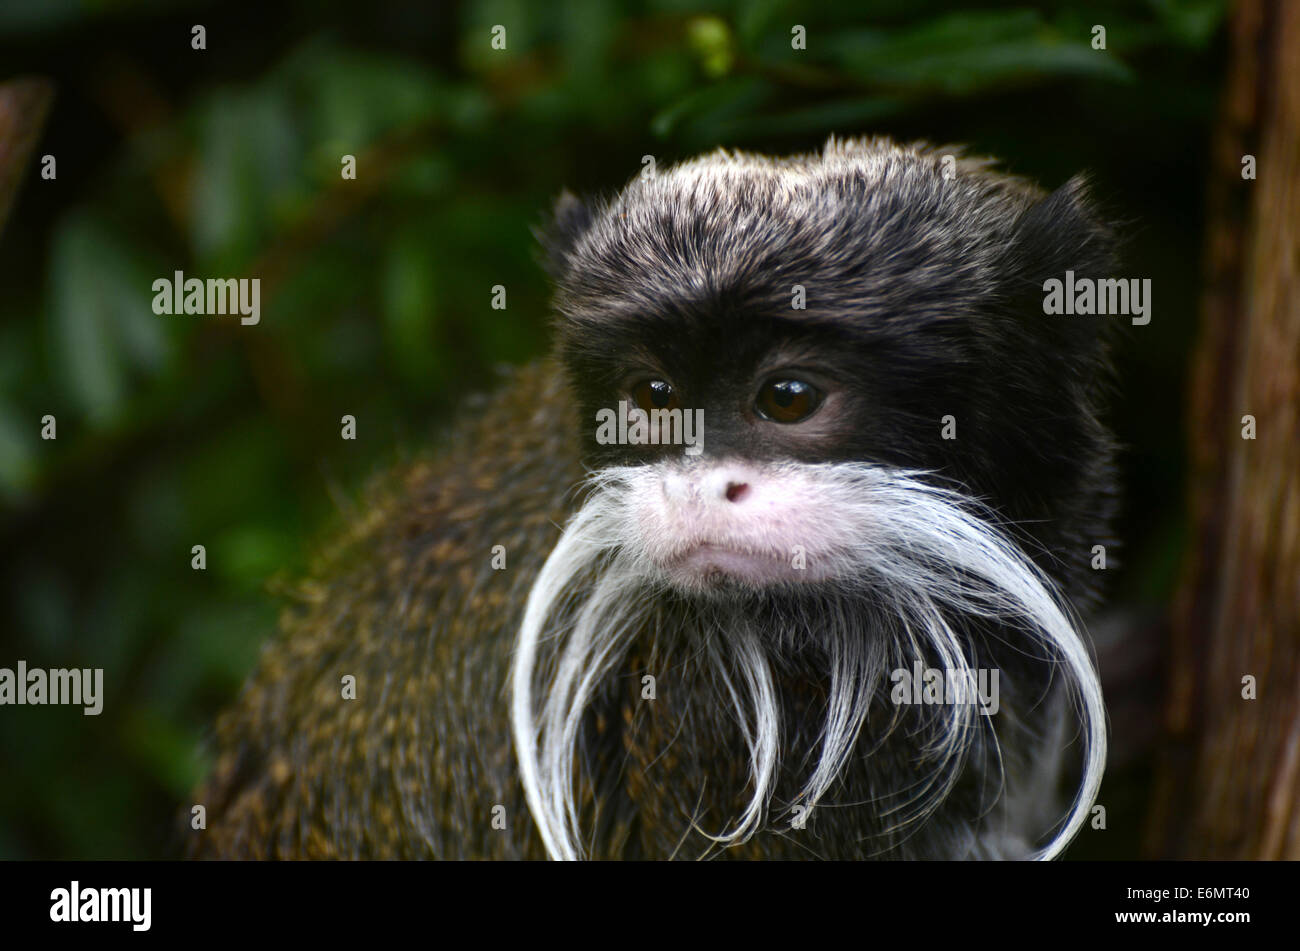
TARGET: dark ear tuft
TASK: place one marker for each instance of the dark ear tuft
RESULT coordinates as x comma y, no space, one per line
1063,232
569,219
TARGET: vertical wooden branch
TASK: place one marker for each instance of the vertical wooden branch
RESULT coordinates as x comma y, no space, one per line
23,106
1228,786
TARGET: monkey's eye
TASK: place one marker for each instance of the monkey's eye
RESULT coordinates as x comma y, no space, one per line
788,401
655,394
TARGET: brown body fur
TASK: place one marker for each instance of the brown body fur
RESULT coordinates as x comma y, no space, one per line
409,605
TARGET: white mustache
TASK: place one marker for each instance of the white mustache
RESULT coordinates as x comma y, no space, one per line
926,555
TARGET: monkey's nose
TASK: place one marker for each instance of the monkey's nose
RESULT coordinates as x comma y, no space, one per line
727,483
730,483
737,491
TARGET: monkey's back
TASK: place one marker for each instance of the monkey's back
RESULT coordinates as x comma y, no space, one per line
407,602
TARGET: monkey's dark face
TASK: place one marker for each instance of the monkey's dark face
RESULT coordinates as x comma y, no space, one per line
859,307
768,389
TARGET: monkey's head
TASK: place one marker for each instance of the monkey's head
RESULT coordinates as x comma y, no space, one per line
822,390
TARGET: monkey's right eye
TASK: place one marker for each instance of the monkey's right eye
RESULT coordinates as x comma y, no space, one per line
655,394
788,401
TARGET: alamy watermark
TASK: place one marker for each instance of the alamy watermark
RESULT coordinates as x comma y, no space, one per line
1085,296
215,296
36,686
637,427
936,685
77,904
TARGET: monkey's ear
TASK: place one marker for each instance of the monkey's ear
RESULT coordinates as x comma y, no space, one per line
1063,232
568,221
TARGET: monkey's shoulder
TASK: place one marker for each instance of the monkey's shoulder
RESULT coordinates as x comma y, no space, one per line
379,703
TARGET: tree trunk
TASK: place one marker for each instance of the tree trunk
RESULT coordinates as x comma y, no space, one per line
1228,784
23,105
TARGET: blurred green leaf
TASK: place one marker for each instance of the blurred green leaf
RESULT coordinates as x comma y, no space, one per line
589,30
758,19
1194,22
729,99
346,100
248,555
101,316
248,158
17,449
522,23
163,749
710,38
410,306
965,52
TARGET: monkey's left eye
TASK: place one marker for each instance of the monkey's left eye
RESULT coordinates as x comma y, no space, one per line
655,394
788,401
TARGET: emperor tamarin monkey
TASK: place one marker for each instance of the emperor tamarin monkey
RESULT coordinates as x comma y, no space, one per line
567,641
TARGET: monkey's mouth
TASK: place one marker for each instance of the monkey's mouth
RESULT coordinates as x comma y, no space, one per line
708,564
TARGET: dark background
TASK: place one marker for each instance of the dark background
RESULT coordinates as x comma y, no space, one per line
176,431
